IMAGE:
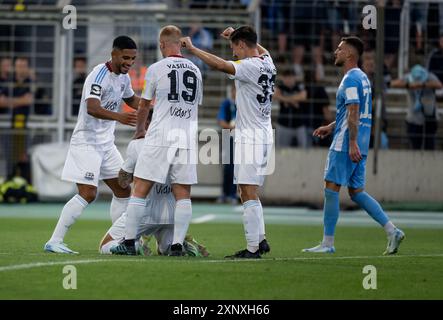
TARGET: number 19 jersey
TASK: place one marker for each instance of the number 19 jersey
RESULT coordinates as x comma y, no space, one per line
254,83
176,84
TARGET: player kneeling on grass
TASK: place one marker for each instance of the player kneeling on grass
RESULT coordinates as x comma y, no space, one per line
160,203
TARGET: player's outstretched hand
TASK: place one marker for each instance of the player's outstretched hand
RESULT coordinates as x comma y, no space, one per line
354,152
227,33
186,43
322,132
128,118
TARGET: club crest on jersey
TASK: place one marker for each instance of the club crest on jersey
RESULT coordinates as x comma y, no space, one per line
96,90
89,175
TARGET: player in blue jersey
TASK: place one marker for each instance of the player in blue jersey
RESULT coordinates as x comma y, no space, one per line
345,165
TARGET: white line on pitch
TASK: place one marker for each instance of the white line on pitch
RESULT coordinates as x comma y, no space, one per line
88,261
205,218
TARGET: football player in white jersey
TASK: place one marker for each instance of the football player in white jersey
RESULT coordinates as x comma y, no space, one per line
159,220
254,73
170,144
92,154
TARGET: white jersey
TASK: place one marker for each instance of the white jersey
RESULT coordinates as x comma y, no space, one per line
110,89
175,83
254,82
160,201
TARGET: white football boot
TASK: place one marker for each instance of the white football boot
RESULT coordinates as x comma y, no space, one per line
320,249
394,240
58,247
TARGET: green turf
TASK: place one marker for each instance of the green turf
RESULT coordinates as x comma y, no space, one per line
416,273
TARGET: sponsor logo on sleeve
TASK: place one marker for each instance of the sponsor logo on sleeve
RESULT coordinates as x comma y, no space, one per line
96,90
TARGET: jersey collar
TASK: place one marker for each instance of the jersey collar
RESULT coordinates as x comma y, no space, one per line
175,56
109,66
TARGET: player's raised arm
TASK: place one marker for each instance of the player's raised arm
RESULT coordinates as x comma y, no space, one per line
208,58
95,109
226,34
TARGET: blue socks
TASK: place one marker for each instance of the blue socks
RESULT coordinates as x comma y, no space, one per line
371,206
330,211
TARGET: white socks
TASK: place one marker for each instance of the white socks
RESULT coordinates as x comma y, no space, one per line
71,211
182,218
328,241
135,211
252,223
261,231
389,227
118,207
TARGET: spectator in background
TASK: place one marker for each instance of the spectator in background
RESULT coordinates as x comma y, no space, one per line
309,17
5,82
342,19
435,64
80,72
317,109
5,69
368,66
226,120
19,102
392,32
290,129
277,17
202,39
422,116
419,18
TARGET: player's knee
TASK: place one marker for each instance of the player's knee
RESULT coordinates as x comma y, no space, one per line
123,192
353,192
247,194
89,195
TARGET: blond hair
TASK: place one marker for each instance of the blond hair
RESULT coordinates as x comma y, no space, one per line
170,34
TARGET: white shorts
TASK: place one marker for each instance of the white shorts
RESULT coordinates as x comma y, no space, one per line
163,233
252,162
86,165
156,163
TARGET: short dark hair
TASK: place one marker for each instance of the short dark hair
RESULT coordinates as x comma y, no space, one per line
355,42
123,42
246,34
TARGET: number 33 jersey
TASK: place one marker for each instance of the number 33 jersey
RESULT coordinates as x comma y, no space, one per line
254,82
175,83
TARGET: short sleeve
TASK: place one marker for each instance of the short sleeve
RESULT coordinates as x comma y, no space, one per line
128,90
241,70
350,88
94,83
150,84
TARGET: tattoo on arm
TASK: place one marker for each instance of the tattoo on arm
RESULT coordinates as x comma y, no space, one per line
353,121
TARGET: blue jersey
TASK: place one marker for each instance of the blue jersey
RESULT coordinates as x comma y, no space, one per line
355,88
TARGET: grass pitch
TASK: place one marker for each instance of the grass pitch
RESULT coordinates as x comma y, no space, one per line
26,272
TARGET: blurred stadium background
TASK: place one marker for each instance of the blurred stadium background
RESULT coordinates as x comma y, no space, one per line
301,35
43,66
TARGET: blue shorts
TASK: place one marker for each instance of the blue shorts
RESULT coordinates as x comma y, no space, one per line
342,171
